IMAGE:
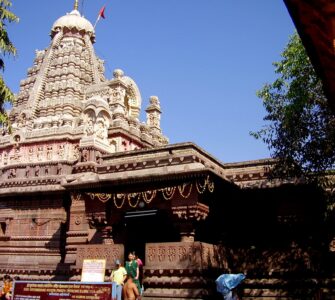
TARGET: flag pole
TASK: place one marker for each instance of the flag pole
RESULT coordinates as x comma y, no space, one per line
76,5
96,22
100,15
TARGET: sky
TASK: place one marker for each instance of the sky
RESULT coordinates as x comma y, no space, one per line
204,59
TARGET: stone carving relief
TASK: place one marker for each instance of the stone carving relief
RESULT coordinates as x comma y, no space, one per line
31,154
61,151
37,171
153,120
89,125
21,121
37,153
180,255
49,152
75,152
17,154
12,173
96,119
108,252
85,155
5,158
101,129
195,212
98,158
59,169
89,119
40,153
27,172
118,94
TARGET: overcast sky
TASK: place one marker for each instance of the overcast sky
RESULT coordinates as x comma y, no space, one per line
204,59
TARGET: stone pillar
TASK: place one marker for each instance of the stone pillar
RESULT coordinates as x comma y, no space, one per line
186,217
117,102
78,227
154,115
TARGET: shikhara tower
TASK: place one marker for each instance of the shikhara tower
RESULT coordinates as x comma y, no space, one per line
66,104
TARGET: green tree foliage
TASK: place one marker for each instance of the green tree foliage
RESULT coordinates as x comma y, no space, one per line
6,48
300,127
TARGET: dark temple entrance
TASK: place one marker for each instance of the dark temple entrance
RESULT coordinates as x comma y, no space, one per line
147,226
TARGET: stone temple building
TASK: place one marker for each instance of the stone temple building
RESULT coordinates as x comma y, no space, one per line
83,177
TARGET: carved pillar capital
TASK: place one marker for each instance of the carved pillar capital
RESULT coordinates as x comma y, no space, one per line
186,216
98,221
77,199
194,212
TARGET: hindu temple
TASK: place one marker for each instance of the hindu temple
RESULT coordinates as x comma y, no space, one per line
83,177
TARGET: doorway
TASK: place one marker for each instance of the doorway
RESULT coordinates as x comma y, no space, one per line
147,226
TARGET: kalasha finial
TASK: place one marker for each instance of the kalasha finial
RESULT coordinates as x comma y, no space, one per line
76,5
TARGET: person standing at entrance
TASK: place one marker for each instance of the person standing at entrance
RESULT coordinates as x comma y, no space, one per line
118,277
140,267
133,270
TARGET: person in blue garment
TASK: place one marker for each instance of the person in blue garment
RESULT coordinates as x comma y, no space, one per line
226,285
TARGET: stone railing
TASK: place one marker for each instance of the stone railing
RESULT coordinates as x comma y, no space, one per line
110,252
181,255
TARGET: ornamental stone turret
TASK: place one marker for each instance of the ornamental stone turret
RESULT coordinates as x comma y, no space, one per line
66,108
154,118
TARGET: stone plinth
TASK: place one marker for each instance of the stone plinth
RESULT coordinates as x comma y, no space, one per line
180,270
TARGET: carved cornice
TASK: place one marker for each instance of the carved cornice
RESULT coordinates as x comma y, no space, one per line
179,161
39,186
30,238
255,174
30,182
77,233
29,250
194,212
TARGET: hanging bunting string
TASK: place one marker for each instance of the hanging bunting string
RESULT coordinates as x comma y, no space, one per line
133,199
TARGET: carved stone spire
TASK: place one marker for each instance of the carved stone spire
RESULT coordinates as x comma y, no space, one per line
52,93
67,110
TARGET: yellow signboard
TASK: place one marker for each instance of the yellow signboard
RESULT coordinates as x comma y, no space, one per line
93,270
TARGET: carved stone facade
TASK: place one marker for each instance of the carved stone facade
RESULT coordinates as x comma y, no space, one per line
82,177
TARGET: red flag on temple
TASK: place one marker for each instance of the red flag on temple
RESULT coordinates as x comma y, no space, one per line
100,15
102,12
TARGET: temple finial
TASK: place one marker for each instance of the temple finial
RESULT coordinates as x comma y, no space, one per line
76,5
